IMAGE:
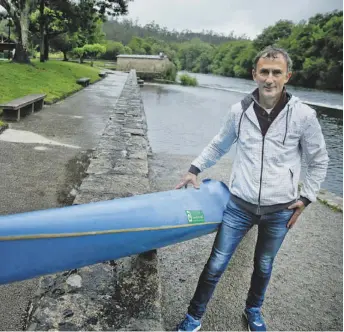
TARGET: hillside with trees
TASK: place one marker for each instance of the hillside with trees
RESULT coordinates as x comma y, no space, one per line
315,46
91,28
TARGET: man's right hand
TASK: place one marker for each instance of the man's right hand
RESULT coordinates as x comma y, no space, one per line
188,178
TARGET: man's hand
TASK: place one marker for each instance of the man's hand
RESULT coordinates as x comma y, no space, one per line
299,206
188,178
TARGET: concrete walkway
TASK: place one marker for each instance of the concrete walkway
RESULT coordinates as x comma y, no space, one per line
42,160
305,292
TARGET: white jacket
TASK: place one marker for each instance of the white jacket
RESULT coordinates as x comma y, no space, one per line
266,170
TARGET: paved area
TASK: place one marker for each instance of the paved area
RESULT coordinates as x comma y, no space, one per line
305,292
42,159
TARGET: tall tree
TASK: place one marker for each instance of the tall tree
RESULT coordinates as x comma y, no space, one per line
19,11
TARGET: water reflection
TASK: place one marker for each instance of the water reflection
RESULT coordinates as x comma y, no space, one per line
182,120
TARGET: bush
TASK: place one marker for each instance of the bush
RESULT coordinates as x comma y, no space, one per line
171,73
185,79
112,50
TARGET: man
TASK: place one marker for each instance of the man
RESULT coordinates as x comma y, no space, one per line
273,131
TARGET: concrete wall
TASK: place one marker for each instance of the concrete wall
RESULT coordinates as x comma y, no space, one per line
115,295
143,65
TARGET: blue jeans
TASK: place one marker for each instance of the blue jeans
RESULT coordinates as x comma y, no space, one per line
272,229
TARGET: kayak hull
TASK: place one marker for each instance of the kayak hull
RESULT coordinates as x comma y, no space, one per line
54,240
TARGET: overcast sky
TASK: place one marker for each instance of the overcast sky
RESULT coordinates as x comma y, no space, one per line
248,17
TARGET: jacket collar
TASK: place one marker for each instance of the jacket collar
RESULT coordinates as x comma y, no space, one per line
254,98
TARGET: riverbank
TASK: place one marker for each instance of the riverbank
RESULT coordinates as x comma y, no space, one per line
57,79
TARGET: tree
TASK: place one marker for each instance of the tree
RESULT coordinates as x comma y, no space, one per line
91,50
20,10
273,34
113,49
64,43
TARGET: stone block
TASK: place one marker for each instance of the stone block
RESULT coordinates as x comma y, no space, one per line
115,185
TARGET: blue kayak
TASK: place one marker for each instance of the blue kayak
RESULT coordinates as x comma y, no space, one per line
54,240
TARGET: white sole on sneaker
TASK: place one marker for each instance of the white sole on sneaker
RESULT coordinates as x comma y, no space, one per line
195,330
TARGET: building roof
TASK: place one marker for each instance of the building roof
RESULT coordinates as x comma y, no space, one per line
141,56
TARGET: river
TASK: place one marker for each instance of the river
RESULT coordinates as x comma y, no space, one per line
182,120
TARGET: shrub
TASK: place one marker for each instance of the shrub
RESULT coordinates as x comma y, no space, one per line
186,79
171,73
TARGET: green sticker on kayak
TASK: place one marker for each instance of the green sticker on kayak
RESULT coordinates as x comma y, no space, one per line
195,216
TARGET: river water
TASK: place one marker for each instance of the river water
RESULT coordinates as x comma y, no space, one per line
182,120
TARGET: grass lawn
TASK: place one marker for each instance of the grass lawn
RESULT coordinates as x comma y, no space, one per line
55,78
103,64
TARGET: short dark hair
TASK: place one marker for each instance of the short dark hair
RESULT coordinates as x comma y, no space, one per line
273,52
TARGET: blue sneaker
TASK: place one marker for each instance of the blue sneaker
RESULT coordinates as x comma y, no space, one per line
189,324
254,319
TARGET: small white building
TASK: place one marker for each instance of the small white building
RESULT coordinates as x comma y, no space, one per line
147,64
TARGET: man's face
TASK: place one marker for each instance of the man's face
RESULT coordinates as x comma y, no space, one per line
271,75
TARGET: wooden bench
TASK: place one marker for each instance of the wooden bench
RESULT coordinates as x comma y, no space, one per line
84,81
32,103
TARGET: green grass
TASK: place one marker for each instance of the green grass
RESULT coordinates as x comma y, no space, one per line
55,78
103,64
332,207
52,56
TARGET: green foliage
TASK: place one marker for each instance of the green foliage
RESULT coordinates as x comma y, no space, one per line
113,49
315,47
195,55
124,30
127,50
137,45
185,79
93,50
64,43
273,34
78,51
55,78
171,73
89,50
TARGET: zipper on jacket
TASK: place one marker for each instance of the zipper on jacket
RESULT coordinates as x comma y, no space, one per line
261,176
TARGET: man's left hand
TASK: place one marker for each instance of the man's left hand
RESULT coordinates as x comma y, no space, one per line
299,207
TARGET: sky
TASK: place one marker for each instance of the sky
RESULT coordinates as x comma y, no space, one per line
248,17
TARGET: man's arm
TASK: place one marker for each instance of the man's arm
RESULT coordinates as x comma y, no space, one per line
314,149
217,147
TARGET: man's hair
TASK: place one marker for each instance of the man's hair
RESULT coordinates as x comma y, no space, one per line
273,52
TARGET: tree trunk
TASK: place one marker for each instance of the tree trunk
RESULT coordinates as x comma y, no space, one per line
22,26
21,55
65,56
41,31
46,47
